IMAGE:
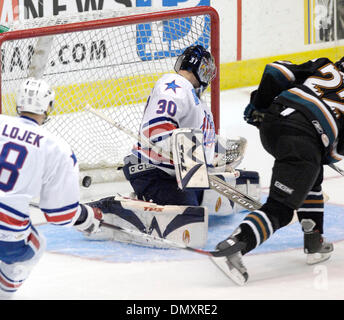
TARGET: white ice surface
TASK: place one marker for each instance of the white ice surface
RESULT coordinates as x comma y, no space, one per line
277,275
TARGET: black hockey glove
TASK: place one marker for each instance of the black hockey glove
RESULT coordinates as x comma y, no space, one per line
340,139
253,116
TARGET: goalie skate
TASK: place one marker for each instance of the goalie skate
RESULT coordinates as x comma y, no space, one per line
232,266
315,246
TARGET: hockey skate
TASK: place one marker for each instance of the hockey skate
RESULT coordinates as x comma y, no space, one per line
232,266
315,246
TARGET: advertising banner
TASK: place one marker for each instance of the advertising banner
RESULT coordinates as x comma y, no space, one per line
11,10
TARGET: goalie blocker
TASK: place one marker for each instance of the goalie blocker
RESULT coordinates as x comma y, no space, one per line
189,159
192,172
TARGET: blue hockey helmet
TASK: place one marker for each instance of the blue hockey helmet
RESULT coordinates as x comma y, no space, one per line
200,62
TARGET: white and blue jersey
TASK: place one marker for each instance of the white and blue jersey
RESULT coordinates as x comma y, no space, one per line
173,104
33,164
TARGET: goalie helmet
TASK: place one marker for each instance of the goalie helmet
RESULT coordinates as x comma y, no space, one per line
35,96
200,62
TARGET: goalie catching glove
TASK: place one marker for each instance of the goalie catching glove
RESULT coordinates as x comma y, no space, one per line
89,219
229,152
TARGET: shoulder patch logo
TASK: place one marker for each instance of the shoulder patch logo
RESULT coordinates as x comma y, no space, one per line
172,85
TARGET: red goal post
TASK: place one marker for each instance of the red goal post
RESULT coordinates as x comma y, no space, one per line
108,60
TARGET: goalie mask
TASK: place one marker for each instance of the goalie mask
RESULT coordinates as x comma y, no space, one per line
200,62
35,96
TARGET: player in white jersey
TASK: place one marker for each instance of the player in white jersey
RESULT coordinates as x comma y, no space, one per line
175,102
34,163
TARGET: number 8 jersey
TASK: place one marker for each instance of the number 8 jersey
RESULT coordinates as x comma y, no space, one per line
34,163
173,103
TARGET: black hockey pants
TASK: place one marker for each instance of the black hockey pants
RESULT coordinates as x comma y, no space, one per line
296,147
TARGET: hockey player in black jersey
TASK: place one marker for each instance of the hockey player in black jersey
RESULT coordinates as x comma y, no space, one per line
299,112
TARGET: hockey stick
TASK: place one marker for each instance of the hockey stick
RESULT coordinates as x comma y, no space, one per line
233,194
149,238
215,183
335,168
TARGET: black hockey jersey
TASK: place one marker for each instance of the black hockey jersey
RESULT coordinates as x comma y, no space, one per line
316,89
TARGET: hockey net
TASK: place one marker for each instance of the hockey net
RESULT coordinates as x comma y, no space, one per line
110,60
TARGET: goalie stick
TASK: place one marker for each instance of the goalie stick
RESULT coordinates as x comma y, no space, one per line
233,194
215,183
150,238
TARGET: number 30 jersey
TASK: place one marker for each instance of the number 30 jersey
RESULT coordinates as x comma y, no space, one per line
316,89
173,103
34,163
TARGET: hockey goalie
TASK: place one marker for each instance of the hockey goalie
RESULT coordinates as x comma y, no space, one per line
170,165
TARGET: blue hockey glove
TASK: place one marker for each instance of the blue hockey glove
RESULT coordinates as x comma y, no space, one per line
252,115
248,112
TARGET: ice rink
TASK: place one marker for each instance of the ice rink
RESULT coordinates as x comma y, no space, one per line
78,270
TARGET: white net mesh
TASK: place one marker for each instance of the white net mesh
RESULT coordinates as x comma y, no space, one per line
112,69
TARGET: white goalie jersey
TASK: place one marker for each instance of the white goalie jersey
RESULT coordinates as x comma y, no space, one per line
173,103
34,164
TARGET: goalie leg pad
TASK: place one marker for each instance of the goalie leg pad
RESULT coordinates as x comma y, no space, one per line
182,224
247,182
